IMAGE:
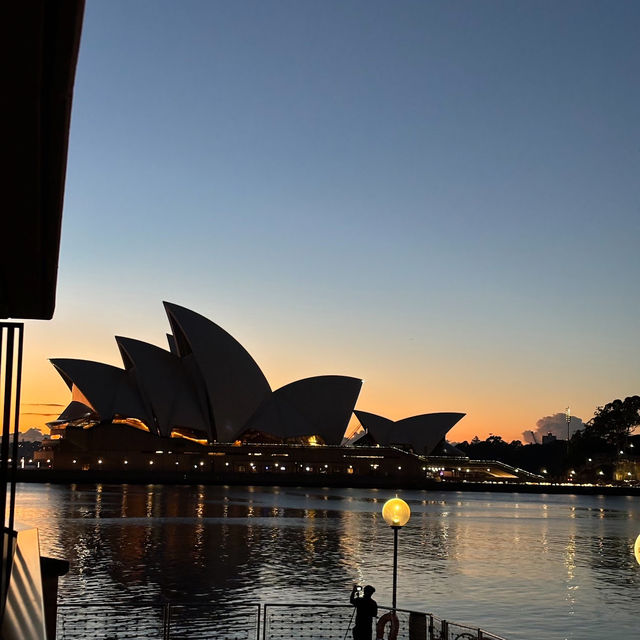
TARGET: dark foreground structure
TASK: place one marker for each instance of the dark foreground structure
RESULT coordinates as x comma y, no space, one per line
270,621
41,39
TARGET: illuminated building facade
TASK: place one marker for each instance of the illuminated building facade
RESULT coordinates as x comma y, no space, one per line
204,406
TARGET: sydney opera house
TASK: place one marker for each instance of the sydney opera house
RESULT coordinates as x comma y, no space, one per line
204,406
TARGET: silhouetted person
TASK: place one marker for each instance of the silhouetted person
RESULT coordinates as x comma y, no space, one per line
366,611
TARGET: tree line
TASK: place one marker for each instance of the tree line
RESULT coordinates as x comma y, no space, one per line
592,453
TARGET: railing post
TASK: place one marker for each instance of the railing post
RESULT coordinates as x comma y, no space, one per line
166,621
11,362
480,634
264,622
258,623
430,632
444,630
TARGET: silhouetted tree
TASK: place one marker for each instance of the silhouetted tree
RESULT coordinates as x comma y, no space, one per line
615,422
548,459
593,451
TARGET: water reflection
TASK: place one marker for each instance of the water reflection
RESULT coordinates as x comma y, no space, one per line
518,565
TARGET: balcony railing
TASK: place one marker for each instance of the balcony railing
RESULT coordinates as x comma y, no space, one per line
271,621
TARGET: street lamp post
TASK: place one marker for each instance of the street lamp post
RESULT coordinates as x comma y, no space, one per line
396,514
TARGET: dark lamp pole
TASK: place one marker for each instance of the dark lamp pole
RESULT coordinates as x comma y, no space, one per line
396,514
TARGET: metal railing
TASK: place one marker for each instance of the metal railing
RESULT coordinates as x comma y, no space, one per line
168,621
111,621
11,348
446,630
270,621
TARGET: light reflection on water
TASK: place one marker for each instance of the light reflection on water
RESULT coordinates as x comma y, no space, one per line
519,565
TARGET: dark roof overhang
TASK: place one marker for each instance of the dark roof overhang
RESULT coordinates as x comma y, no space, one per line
40,40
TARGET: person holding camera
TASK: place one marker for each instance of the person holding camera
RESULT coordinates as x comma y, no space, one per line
366,611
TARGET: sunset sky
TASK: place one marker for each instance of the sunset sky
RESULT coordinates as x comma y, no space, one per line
442,198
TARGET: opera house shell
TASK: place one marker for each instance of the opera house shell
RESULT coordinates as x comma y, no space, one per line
424,433
207,388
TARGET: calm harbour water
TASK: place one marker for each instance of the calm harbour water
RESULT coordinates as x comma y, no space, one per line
520,565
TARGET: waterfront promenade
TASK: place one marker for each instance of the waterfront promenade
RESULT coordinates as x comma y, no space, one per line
295,480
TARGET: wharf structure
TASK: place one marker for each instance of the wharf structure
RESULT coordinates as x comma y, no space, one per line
203,409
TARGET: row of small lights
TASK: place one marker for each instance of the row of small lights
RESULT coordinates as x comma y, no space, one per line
283,468
252,465
573,473
374,466
100,461
600,472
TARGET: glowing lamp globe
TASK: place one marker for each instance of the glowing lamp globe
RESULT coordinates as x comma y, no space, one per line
636,549
396,512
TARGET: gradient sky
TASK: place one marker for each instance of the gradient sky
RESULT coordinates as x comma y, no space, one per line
442,198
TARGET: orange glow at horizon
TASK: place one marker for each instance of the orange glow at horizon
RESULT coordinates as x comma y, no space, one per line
481,420
495,399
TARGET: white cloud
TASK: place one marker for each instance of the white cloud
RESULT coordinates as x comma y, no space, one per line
556,425
31,435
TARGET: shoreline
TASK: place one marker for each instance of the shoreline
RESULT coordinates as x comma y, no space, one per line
44,476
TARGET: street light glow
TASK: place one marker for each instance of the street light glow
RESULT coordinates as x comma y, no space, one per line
396,512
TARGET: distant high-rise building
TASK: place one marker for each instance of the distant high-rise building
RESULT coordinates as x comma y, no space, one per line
549,438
